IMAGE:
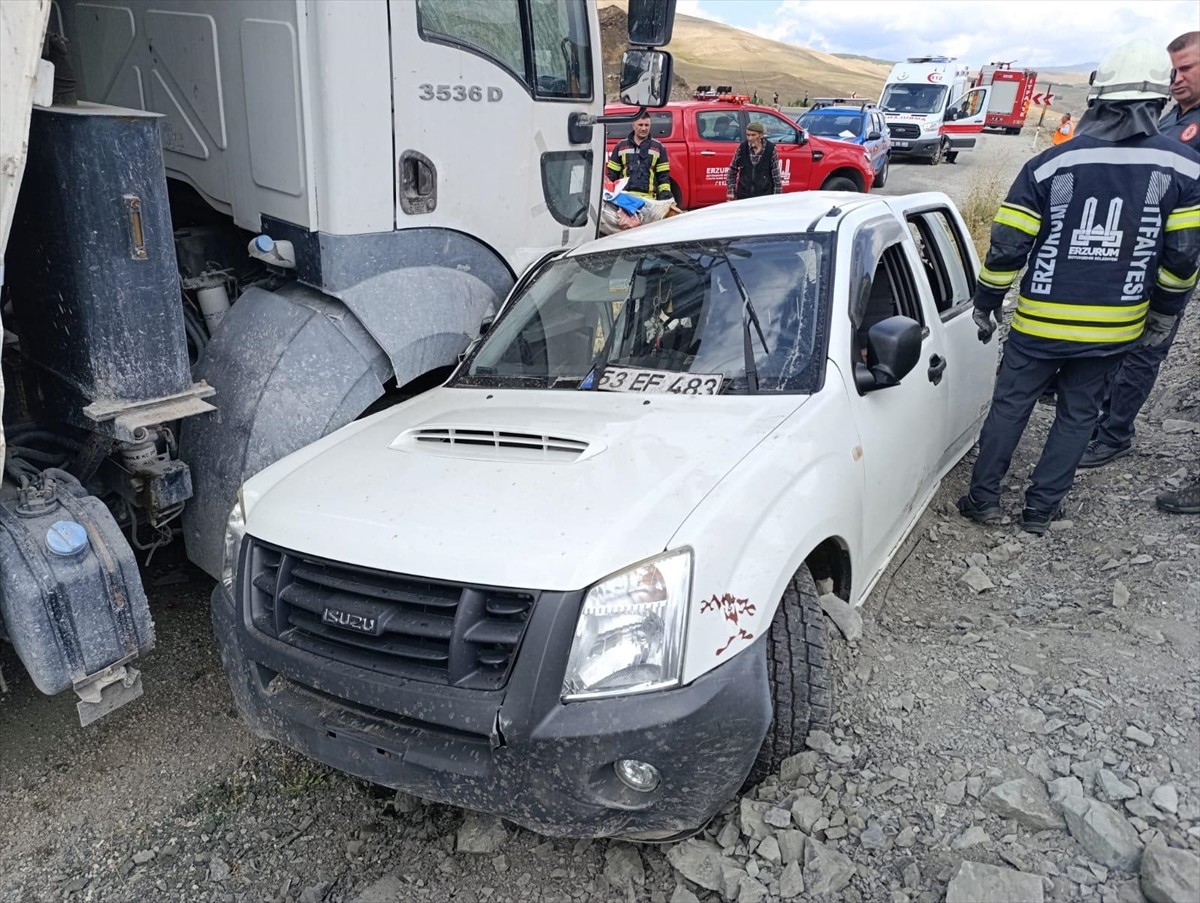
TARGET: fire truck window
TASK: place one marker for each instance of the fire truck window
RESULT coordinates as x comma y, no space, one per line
493,27
661,126
719,125
778,130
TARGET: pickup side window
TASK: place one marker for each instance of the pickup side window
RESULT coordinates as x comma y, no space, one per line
944,260
882,282
780,131
661,126
719,125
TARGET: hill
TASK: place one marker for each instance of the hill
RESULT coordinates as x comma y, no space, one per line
711,53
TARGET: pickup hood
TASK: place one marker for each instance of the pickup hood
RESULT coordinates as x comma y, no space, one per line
528,489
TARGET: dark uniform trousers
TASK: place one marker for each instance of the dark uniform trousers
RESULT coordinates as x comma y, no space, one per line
1022,379
1131,385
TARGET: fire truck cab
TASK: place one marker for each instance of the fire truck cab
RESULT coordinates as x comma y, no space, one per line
931,110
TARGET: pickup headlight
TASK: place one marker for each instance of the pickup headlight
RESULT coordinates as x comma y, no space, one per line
629,638
235,532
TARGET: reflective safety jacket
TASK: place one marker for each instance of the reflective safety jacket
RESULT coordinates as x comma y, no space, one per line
1110,230
646,165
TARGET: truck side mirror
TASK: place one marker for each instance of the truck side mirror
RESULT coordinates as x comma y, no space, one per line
650,22
951,114
645,78
893,349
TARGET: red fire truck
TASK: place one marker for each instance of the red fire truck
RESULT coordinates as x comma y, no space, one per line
1012,90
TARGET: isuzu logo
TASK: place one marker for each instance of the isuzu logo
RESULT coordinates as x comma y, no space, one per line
348,621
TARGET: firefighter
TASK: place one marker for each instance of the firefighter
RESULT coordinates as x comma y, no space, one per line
1132,383
643,160
1110,225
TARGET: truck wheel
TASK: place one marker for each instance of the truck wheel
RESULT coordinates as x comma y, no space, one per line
800,675
881,177
1012,131
937,155
839,183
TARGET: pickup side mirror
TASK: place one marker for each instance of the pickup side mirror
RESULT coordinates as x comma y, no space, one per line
645,78
893,349
874,136
802,137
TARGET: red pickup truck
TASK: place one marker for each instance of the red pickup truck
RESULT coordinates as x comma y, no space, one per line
702,135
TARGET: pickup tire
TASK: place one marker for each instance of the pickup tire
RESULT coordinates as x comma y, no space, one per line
839,183
799,673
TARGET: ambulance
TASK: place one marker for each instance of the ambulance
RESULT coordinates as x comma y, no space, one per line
931,109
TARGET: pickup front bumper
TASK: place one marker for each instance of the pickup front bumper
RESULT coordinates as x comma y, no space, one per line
518,751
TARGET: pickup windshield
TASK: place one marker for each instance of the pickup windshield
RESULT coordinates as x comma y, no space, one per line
913,98
833,125
683,308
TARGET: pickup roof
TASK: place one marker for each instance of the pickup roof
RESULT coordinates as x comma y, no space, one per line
576,585
701,137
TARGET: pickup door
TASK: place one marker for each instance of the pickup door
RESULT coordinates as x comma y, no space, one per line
795,158
715,138
902,429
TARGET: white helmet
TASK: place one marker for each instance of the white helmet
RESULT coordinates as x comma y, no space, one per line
1139,70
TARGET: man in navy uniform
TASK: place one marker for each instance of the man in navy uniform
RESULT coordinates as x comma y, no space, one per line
1132,383
1110,225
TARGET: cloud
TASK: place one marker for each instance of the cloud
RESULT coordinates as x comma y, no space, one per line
694,9
1047,33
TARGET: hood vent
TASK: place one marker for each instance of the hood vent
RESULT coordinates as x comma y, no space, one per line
476,442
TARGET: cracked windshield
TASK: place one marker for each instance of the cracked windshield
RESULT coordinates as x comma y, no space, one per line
740,315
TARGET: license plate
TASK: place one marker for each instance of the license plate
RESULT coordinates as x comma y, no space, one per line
663,382
899,144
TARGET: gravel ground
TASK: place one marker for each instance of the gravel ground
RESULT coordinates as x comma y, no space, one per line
1020,719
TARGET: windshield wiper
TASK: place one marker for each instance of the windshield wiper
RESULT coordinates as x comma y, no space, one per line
748,316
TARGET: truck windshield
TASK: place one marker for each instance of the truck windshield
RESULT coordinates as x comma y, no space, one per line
684,308
913,98
543,43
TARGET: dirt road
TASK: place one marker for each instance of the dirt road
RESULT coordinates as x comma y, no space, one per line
959,710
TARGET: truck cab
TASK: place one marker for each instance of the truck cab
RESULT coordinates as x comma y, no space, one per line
931,110
702,135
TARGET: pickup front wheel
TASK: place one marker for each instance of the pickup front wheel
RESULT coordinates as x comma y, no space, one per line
839,183
799,673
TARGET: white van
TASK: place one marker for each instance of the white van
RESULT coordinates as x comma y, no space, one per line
930,108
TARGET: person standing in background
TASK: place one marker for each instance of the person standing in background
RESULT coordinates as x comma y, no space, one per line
1065,129
754,171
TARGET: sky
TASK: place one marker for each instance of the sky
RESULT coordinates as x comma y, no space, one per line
1031,32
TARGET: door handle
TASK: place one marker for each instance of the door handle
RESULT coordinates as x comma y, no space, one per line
937,366
708,153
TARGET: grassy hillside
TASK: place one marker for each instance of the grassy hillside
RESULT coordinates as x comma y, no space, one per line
711,53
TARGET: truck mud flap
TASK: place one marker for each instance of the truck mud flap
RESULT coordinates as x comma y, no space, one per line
289,367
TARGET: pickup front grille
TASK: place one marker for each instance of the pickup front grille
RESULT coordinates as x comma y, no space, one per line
426,630
904,130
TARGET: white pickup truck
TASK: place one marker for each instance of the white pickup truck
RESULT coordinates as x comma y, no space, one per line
576,585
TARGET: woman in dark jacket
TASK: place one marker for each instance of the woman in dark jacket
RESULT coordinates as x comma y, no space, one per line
754,171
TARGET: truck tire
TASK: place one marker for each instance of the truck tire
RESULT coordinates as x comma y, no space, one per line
882,176
799,673
839,183
936,158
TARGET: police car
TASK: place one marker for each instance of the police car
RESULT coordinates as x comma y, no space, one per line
576,586
855,122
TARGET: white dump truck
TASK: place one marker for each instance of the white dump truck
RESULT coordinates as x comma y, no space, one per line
236,227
